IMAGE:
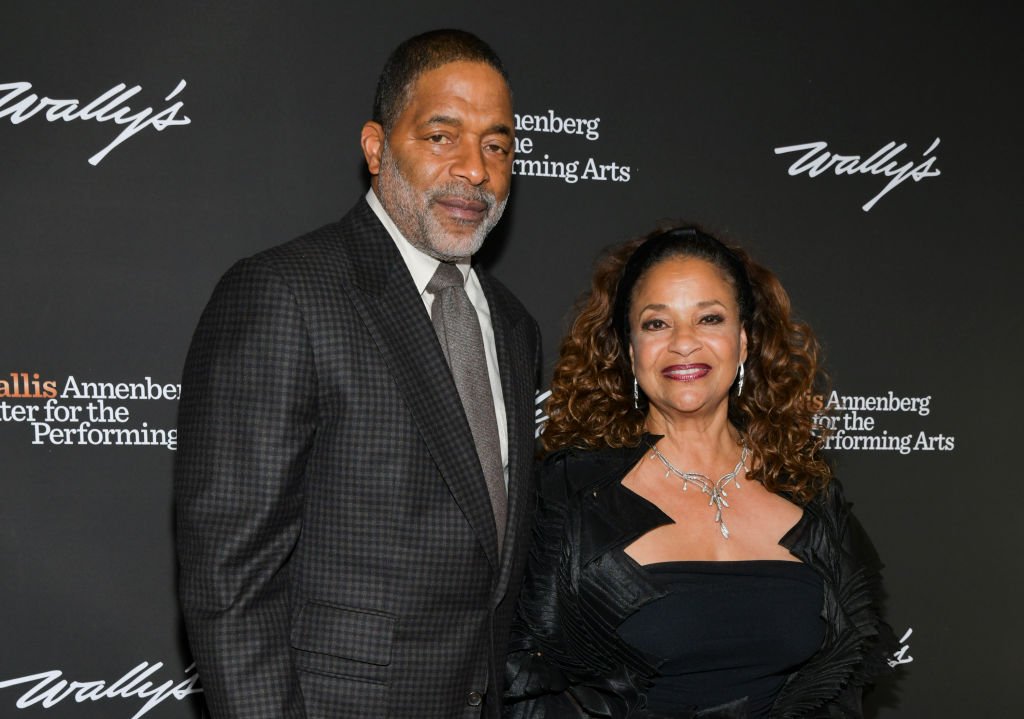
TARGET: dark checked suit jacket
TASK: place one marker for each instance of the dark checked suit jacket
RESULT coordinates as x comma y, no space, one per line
337,549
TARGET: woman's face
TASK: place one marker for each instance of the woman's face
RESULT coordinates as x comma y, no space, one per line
686,338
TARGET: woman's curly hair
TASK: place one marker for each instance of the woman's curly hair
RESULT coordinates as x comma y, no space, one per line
591,403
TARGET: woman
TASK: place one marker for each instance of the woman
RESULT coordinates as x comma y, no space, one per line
693,556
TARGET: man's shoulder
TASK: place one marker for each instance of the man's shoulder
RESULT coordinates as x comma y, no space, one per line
314,252
330,257
325,247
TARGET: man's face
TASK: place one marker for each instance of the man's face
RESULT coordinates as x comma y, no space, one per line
443,173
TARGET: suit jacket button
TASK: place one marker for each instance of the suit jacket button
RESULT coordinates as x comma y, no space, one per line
475,699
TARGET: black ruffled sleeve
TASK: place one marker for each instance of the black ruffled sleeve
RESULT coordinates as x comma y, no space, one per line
860,642
539,670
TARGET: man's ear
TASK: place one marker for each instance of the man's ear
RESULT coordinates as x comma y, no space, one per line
372,141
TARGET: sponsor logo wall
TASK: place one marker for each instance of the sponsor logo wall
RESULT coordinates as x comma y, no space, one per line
877,177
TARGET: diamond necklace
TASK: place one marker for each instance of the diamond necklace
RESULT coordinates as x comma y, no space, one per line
715,491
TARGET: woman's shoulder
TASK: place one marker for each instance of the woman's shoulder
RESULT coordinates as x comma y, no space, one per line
831,501
836,511
573,470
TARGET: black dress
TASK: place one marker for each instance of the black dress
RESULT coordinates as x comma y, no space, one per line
569,659
726,630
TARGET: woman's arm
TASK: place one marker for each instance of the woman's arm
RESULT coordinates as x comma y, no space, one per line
540,666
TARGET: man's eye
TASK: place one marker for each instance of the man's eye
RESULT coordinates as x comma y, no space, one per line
438,139
497,149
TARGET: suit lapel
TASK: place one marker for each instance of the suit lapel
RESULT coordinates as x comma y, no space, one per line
517,392
394,314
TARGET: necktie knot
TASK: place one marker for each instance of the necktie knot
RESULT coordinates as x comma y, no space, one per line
445,276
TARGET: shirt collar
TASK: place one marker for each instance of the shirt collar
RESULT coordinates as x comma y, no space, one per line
421,265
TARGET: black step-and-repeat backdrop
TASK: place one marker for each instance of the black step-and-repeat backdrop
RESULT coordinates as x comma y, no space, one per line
870,155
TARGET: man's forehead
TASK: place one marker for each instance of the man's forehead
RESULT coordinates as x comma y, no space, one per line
472,80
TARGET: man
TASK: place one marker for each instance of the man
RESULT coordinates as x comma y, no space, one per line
356,438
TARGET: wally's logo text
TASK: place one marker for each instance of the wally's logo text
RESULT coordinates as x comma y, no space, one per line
816,159
20,104
49,688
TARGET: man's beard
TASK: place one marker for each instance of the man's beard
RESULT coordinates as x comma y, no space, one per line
412,212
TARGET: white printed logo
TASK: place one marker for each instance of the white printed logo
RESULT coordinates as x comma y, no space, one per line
539,418
900,656
19,105
49,689
852,423
548,164
817,160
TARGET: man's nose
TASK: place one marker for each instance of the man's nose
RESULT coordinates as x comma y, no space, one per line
470,165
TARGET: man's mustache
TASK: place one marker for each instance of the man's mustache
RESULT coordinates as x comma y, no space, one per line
472,194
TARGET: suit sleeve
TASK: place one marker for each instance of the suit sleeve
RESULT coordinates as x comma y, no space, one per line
246,422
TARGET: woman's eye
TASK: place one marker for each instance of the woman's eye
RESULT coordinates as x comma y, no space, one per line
712,320
654,324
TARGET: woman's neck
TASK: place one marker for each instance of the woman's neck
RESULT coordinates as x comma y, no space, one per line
697,442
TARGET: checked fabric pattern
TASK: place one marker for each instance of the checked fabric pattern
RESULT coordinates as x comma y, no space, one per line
335,535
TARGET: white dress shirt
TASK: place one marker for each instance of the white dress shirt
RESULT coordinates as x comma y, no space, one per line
422,267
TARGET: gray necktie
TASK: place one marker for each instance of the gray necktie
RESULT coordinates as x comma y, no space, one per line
458,330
